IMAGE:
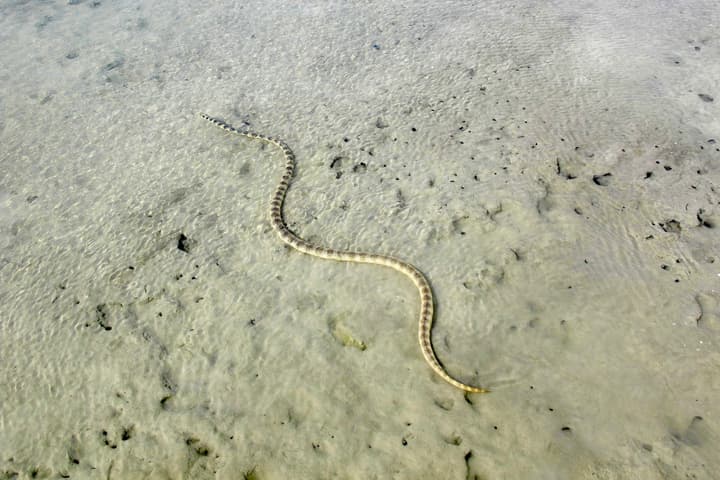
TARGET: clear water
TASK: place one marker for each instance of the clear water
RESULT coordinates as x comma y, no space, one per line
551,166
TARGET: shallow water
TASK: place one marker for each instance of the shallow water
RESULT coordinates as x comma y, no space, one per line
552,168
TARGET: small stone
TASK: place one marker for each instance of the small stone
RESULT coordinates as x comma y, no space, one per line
602,180
705,97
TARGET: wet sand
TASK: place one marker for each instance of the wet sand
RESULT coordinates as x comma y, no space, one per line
552,169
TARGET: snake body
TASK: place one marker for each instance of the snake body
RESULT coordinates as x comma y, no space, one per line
278,224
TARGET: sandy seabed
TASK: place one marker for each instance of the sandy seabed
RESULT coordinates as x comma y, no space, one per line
552,167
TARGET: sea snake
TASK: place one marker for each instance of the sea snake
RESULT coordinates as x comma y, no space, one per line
278,224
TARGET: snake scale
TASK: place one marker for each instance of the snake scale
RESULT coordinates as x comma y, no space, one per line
278,224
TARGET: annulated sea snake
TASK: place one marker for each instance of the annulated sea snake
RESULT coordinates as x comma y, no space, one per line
278,224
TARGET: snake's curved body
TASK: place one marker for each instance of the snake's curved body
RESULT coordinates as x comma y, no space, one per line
278,224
